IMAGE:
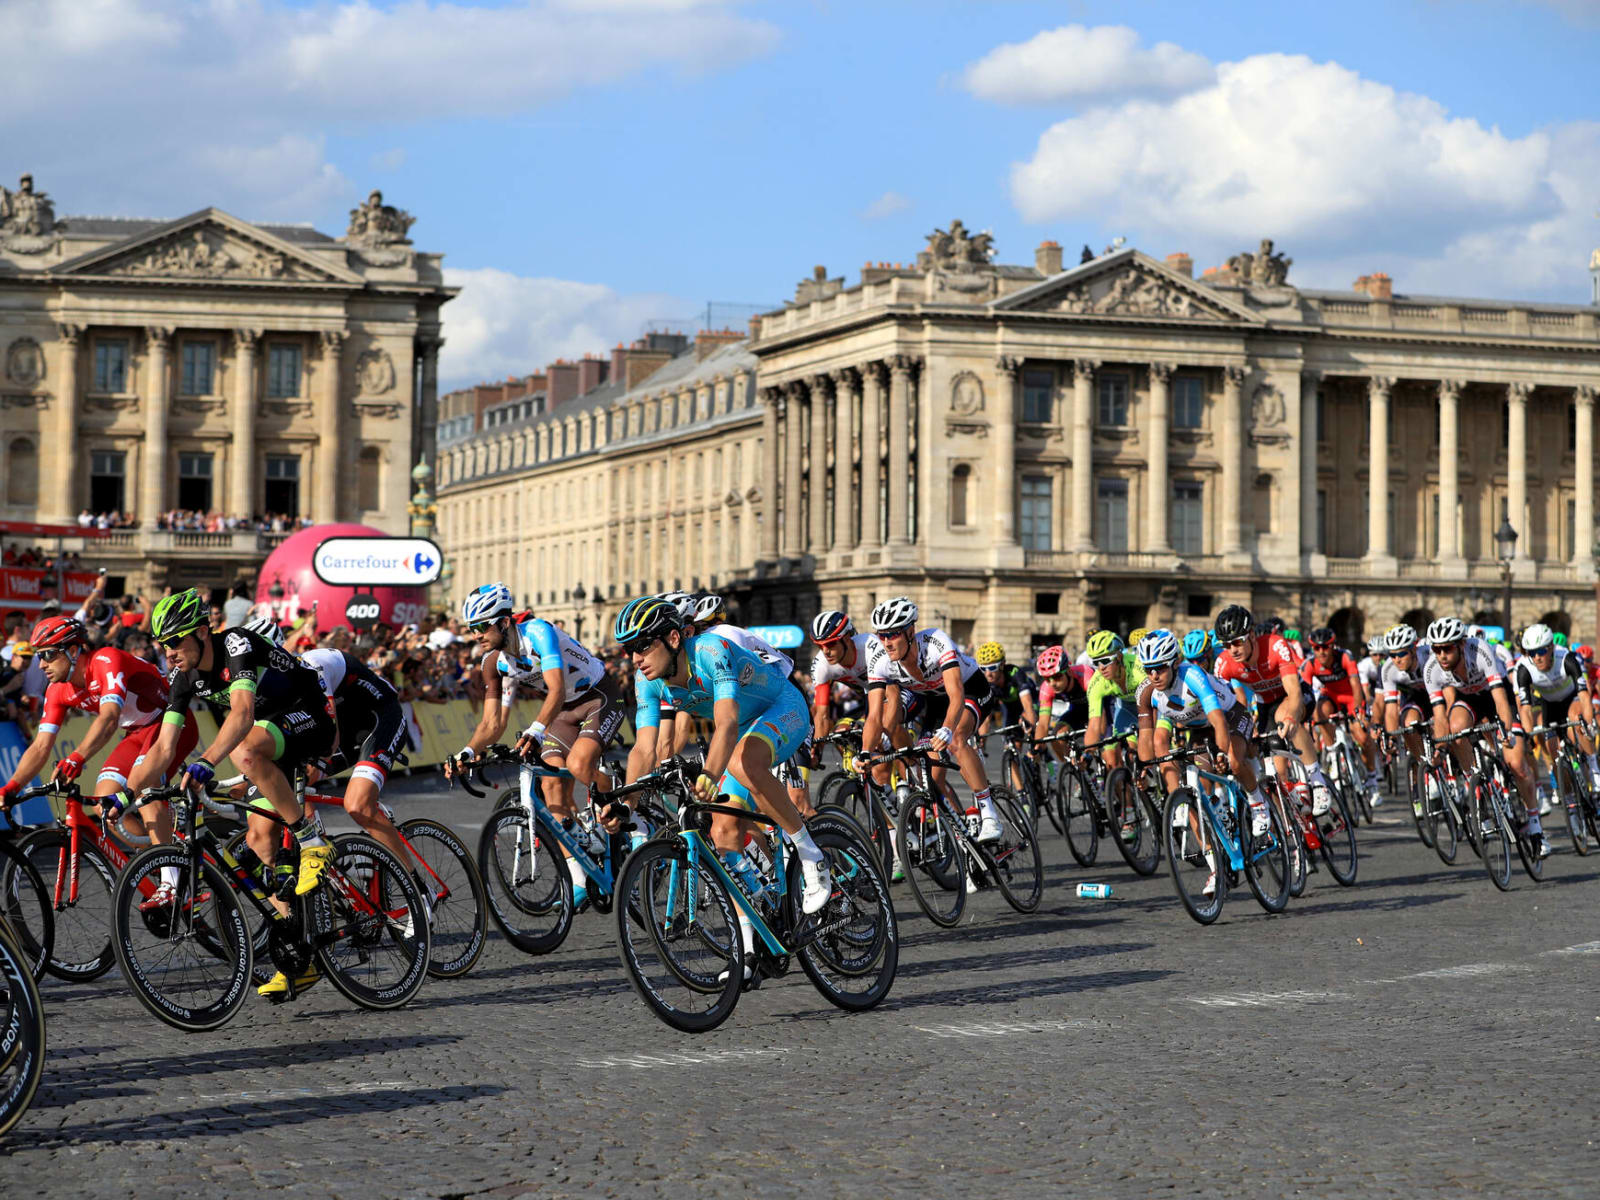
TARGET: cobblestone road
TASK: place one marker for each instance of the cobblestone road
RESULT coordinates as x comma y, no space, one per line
1419,1034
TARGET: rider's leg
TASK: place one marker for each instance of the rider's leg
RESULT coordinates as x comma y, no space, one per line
361,802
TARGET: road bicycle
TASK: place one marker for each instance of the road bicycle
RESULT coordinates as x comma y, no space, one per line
190,960
693,937
1123,814
22,1029
1344,767
1019,768
25,900
1570,768
1331,836
1492,824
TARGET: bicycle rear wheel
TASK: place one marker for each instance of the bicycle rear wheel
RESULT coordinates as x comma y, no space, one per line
1079,815
1337,830
1416,791
1193,855
26,903
22,1030
526,879
457,897
1494,833
1439,815
370,925
850,799
82,943
852,966
934,859
1266,858
1294,837
1131,827
1018,865
1570,788
1355,772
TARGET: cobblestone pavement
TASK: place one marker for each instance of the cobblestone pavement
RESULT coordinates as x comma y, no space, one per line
1418,1034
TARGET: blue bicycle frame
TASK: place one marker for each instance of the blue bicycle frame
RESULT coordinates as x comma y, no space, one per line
700,851
598,873
1228,839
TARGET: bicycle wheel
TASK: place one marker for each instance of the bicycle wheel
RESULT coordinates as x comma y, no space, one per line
457,898
934,858
1047,771
854,964
1131,827
832,781
26,903
1294,838
851,799
1015,861
22,1030
1515,817
528,884
1079,815
1336,829
82,945
678,936
1494,833
1193,857
1355,773
1266,858
369,925
188,963
1416,791
1439,815
1573,799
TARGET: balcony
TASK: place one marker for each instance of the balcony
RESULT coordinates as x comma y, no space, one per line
234,545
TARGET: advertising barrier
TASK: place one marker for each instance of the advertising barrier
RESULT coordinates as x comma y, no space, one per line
22,587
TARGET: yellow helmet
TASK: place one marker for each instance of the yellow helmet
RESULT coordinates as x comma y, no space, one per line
990,654
1136,636
1103,643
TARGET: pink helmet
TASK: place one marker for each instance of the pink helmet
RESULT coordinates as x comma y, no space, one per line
1049,661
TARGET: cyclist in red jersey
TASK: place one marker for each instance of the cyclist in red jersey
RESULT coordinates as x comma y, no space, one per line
1334,679
121,691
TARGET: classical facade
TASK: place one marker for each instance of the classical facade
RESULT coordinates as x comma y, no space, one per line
1032,452
213,364
622,490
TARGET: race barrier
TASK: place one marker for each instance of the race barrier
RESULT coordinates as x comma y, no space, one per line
22,588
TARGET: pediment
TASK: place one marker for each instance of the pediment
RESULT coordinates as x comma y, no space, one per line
1127,284
209,245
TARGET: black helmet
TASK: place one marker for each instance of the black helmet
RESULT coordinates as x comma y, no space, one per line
1322,636
1275,625
1233,622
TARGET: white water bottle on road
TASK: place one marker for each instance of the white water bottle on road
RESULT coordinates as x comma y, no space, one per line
1094,891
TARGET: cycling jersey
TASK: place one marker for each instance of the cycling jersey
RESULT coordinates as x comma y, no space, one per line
1406,687
111,676
245,661
1335,677
1102,689
756,644
824,674
538,646
1371,672
1195,694
718,670
363,703
1273,663
1477,671
933,652
349,682
1010,687
1561,682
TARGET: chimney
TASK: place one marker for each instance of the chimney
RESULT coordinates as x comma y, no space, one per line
755,322
1377,285
708,341
592,372
1181,263
642,363
563,385
1048,258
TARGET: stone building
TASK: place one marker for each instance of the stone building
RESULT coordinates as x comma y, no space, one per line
211,364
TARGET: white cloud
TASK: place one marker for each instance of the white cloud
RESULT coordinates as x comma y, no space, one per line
503,324
389,160
886,205
1075,63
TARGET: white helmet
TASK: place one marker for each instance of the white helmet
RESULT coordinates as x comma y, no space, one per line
487,603
1400,639
1375,644
267,627
1476,631
1537,637
710,609
682,601
1157,648
897,612
1446,629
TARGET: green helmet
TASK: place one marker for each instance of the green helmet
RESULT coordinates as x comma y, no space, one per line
1103,644
178,614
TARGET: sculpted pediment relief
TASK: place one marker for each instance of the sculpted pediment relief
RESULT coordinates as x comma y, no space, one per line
211,246
1128,284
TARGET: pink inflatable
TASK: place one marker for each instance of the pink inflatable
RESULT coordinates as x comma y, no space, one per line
290,565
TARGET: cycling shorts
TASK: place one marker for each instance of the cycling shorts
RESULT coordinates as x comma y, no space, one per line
300,736
1237,718
596,714
980,701
136,743
381,743
784,726
1341,695
1479,704
1553,712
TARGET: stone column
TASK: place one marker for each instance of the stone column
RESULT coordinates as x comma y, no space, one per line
1310,389
1003,454
1378,389
242,477
1449,472
1232,455
1156,537
427,411
1583,480
817,470
793,517
153,473
1083,370
872,380
770,398
900,368
64,475
1517,467
330,429
846,385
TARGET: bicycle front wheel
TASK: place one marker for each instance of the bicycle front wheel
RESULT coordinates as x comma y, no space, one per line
1570,788
456,896
1266,858
1131,827
26,903
1194,857
1439,815
82,947
852,966
22,1031
1416,789
1337,830
851,799
934,857
1018,865
1494,831
1079,815
370,925
527,881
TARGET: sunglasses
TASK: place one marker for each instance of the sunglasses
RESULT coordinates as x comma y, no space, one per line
1106,661
1535,653
45,656
1238,641
482,625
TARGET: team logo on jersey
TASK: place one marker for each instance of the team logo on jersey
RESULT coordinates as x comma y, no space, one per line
237,645
747,673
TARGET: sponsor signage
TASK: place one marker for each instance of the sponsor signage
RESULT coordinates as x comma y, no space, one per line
784,637
363,611
25,587
377,561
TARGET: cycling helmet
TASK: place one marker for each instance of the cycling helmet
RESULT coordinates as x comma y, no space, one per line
1323,636
643,619
1586,652
1289,635
1400,639
830,626
1135,637
487,603
1274,624
1534,637
1561,639
897,612
1103,644
1233,622
1049,661
57,631
1158,648
991,654
1375,644
1196,642
267,628
1446,629
178,615
682,601
709,609
1476,631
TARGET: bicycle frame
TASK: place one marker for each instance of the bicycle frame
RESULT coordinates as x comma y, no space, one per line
1192,775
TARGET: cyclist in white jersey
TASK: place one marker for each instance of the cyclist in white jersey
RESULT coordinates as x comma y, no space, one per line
841,659
1403,692
1551,686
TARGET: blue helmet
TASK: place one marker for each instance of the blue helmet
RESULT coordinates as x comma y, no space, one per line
1196,642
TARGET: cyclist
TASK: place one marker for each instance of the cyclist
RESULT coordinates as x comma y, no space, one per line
122,692
1117,679
1466,687
955,694
1198,646
1063,698
1550,683
841,661
579,714
1013,687
1404,694
1331,675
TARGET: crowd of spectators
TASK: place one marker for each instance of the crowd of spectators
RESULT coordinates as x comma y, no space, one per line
32,558
106,520
186,520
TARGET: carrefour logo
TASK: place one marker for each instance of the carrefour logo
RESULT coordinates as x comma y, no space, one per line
370,561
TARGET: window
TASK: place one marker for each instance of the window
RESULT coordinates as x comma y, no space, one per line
194,482
1572,428
1188,530
960,484
107,470
283,371
281,491
1047,604
1322,416
22,473
199,366
1113,391
1036,512
1038,394
1198,604
1188,402
111,365
1111,513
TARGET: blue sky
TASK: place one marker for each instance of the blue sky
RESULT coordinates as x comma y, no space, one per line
586,165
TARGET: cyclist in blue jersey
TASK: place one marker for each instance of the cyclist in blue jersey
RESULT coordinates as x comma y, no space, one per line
759,720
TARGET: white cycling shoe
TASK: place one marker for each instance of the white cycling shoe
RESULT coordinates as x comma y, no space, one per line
988,830
816,886
1321,800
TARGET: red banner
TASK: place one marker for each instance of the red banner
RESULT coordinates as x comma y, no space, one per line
21,587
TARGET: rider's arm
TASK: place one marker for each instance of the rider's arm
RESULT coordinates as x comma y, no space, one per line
725,716
496,710
240,719
642,758
956,690
1146,719
1027,707
100,730
33,758
555,696
1502,707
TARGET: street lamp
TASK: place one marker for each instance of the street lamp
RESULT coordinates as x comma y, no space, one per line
1505,542
578,597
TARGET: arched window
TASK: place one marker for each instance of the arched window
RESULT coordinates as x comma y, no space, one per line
960,485
1418,618
1349,626
22,473
1559,622
369,467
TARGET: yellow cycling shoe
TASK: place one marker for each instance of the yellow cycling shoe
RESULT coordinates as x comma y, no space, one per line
313,862
277,988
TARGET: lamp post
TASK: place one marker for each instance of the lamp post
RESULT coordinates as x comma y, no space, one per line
578,597
1505,542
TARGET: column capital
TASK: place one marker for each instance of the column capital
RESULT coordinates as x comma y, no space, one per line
1518,392
429,343
1085,368
795,390
769,396
1451,388
1234,374
905,364
877,371
845,379
821,385
1162,371
158,335
1583,395
68,333
1310,376
1379,386
247,339
331,341
1008,365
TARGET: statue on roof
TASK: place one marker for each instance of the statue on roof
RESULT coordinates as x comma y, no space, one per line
955,249
378,224
1263,268
27,218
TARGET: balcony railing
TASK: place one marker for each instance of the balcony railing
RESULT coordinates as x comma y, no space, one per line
184,543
